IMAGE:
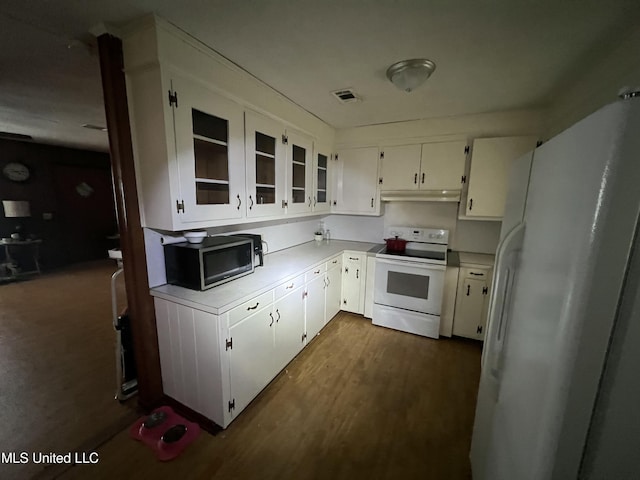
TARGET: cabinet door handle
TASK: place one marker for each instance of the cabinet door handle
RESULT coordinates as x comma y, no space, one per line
422,177
309,202
479,329
468,289
314,200
251,200
346,269
239,202
470,204
357,273
372,203
328,281
278,312
271,315
289,287
254,307
415,178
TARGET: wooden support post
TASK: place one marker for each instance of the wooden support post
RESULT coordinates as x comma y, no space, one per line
140,303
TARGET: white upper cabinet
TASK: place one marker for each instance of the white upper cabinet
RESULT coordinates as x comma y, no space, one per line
321,180
442,165
357,182
400,167
265,160
299,172
209,141
427,166
490,162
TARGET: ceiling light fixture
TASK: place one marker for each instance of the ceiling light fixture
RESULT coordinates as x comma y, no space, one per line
408,75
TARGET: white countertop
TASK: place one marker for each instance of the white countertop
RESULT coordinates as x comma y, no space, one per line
473,259
279,267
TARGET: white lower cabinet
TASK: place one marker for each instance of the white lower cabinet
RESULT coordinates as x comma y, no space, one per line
472,302
353,281
315,303
191,363
334,288
251,360
288,312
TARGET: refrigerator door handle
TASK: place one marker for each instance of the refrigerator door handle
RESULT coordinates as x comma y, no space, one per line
499,302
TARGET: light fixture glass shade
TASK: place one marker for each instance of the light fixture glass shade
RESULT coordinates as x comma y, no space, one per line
16,208
408,75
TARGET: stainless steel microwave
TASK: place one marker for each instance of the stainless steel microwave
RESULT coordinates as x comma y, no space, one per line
216,260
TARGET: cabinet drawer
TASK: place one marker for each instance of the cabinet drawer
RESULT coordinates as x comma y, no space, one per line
477,273
318,271
289,287
334,262
250,307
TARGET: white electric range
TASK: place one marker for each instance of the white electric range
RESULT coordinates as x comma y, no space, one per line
408,285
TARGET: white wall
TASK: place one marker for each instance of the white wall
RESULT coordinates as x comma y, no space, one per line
466,236
598,83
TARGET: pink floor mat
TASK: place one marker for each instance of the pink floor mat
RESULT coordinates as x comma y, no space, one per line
165,432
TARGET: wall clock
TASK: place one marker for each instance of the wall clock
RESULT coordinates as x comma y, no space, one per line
16,172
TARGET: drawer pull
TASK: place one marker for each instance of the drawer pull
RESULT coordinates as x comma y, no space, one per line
254,307
476,274
316,272
354,258
288,287
334,262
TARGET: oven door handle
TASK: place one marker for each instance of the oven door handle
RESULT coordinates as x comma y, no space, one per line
409,263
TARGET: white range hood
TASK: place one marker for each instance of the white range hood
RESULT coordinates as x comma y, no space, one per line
420,196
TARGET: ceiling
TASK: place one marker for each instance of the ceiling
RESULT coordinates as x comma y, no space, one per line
490,56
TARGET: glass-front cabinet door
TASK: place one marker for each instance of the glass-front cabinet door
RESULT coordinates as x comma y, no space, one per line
265,161
321,180
209,151
299,173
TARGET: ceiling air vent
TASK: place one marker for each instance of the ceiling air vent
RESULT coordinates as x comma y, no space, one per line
94,127
346,95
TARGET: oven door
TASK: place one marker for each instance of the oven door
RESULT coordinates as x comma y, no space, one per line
409,285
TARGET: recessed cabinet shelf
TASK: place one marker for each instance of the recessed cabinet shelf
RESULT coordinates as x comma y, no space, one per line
209,180
210,140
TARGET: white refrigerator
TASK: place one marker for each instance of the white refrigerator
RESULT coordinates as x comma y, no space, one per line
559,394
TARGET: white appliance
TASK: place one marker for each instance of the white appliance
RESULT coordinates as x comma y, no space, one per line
559,389
408,285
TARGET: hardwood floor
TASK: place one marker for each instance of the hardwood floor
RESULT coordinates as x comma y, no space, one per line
359,402
57,365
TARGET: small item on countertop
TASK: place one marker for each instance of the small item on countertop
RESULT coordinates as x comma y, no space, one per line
196,236
396,244
327,235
